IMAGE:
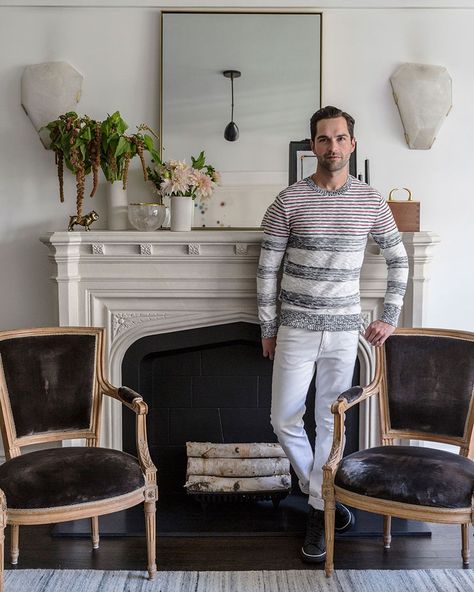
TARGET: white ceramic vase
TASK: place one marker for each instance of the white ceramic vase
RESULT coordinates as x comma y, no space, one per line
117,206
182,210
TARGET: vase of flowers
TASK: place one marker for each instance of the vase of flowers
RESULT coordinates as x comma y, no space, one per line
183,183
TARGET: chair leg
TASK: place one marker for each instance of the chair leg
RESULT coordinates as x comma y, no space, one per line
150,527
95,531
3,523
14,546
387,532
329,520
465,543
2,550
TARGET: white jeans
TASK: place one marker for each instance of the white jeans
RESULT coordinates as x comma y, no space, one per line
297,353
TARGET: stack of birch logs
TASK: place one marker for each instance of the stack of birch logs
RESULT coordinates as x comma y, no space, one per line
237,468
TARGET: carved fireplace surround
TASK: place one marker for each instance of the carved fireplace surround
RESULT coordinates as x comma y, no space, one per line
137,284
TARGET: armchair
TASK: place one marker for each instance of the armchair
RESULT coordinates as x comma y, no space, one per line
424,383
52,383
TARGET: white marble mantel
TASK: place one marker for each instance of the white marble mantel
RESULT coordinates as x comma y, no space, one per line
137,284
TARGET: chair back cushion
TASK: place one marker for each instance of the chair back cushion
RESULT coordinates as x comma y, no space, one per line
430,381
50,381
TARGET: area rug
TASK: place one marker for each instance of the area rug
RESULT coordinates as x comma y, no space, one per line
430,580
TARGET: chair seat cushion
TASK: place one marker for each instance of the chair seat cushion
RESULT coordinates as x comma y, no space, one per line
66,476
409,474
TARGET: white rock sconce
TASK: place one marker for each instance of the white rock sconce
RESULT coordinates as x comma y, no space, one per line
423,95
49,90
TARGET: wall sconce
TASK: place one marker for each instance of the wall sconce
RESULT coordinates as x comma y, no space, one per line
231,132
48,90
422,94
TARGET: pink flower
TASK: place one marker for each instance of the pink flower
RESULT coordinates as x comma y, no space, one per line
176,164
165,187
204,184
181,180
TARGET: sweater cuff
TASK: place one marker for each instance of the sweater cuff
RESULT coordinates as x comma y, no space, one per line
269,329
390,314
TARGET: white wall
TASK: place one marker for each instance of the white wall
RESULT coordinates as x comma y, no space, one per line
361,50
117,50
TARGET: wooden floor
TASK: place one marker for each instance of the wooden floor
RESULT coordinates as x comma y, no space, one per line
38,549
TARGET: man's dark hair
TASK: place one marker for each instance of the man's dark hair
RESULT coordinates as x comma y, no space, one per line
330,112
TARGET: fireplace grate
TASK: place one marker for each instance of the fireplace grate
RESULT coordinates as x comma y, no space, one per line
206,498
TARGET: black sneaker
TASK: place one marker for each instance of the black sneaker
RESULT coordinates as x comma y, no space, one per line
344,518
314,546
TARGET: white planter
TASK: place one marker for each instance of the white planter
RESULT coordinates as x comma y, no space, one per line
182,211
117,206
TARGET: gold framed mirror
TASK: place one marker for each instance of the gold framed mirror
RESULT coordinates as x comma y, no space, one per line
278,55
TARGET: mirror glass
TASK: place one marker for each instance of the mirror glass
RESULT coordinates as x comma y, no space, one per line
279,58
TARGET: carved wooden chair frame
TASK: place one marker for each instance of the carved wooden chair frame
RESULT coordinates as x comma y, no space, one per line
13,444
333,493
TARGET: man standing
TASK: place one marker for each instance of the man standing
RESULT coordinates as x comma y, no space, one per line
319,228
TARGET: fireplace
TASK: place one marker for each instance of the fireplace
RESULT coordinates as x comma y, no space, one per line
144,284
210,385
168,299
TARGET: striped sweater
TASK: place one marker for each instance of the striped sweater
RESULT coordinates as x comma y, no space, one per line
321,237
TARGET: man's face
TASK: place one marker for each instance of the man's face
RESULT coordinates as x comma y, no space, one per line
332,144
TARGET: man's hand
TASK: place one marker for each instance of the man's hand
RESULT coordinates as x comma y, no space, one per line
268,347
377,332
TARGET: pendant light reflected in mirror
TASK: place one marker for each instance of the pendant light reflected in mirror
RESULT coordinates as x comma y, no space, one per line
231,132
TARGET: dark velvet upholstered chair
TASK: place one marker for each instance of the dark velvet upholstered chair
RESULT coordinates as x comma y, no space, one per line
424,383
52,383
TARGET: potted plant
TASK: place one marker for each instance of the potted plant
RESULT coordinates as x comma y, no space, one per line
183,183
117,150
75,141
86,145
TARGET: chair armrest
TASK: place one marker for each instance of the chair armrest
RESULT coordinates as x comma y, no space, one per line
345,401
126,396
354,396
132,399
351,396
135,402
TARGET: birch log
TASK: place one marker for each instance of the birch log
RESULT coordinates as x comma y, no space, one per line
206,483
238,467
252,450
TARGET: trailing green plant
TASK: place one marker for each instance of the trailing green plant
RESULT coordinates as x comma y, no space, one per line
86,145
118,148
76,144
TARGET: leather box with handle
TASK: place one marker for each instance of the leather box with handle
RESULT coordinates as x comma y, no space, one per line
406,213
